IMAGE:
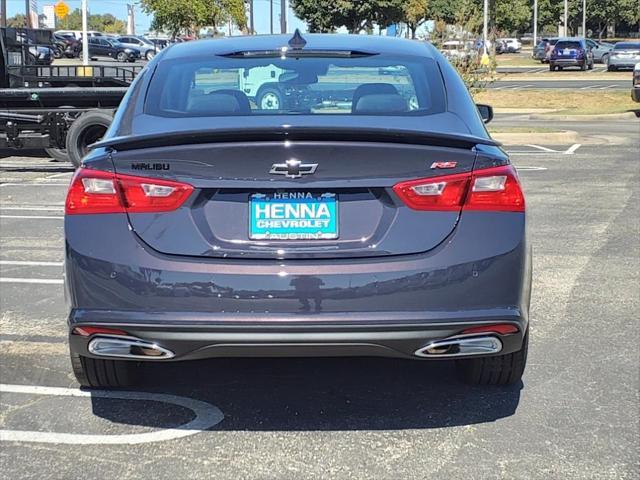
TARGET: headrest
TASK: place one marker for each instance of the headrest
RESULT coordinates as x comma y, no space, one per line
380,104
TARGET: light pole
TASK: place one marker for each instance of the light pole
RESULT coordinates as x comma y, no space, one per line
283,16
485,25
584,18
566,18
535,22
271,16
85,37
251,25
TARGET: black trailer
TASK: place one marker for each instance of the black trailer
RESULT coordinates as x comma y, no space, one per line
61,109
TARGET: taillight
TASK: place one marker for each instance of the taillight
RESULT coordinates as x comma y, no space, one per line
97,191
494,189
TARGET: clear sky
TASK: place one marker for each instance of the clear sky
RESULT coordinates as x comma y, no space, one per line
119,9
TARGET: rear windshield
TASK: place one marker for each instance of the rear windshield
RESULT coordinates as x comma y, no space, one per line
573,45
305,85
627,46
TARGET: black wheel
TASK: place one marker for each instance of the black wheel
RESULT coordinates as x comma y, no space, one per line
559,69
270,98
121,57
611,68
150,54
590,66
57,154
99,373
88,128
583,66
57,52
498,370
552,68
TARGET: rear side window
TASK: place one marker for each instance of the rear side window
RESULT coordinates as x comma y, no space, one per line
303,85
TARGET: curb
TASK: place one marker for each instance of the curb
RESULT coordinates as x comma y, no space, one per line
548,138
584,118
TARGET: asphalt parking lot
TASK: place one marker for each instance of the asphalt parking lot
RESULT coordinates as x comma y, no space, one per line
574,416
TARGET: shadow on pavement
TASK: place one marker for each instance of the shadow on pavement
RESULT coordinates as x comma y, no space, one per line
319,394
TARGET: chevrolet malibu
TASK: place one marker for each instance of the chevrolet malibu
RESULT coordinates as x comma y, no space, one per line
365,213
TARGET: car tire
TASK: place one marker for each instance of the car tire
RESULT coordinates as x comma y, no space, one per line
590,66
551,68
57,52
270,98
121,57
149,55
88,128
605,58
498,370
583,66
611,68
102,373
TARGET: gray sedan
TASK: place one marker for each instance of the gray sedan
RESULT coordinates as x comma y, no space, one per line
390,224
600,50
624,55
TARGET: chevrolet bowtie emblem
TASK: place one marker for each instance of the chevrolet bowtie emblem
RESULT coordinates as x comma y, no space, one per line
293,168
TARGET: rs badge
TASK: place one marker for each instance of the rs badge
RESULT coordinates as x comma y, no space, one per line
444,164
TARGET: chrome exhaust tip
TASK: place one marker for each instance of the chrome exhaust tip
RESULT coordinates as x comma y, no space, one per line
458,347
128,348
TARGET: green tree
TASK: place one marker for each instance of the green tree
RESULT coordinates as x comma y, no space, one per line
178,16
601,13
355,15
415,13
321,16
19,20
513,15
106,23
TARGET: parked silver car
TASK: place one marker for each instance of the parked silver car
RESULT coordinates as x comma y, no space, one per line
600,50
624,55
145,47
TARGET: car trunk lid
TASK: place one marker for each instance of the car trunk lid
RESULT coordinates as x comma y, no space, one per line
239,183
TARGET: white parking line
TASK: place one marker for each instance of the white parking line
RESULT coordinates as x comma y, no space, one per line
42,281
30,264
39,184
572,149
540,147
528,168
39,208
206,416
37,217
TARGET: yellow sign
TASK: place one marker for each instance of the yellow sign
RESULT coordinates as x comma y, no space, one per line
61,9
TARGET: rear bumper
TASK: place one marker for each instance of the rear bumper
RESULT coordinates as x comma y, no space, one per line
387,306
622,62
190,338
635,94
567,62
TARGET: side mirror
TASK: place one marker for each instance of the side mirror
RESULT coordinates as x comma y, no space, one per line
486,112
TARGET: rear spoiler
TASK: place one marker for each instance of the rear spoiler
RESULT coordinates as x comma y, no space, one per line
266,134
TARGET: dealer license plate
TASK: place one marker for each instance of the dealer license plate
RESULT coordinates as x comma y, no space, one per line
293,216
